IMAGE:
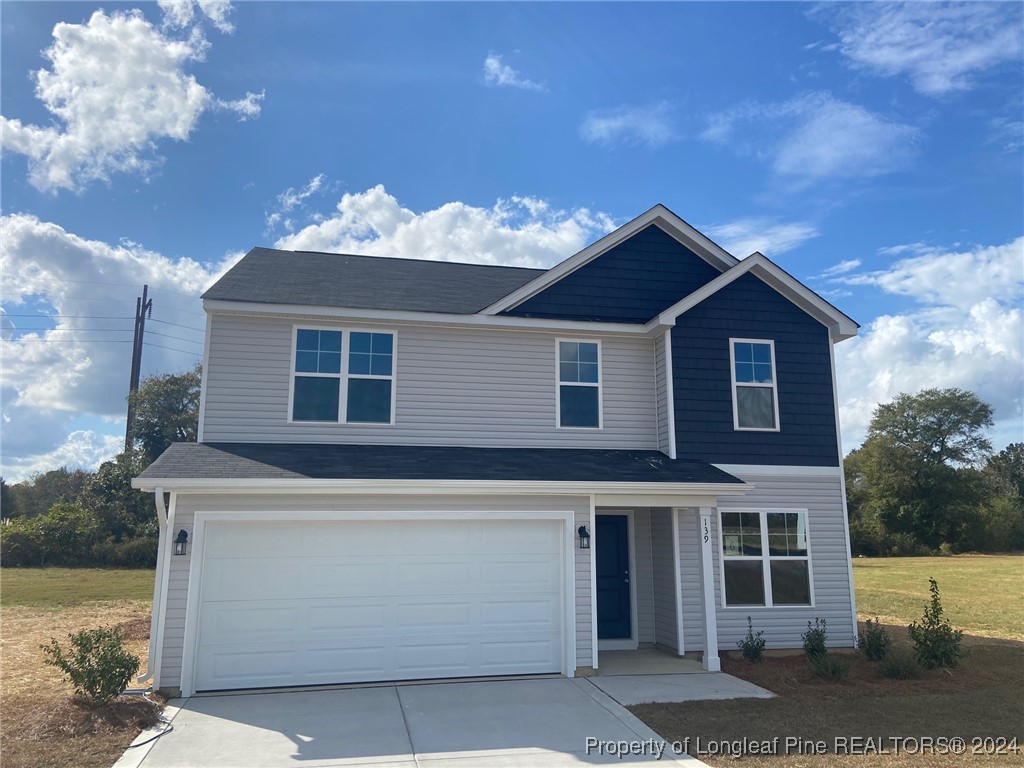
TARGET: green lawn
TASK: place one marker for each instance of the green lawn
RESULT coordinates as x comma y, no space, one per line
981,594
60,587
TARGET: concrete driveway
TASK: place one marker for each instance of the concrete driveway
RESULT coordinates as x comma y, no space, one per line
466,725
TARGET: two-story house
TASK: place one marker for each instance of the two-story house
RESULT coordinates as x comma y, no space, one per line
414,469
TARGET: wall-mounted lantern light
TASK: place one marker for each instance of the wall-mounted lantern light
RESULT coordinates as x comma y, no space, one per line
180,542
584,537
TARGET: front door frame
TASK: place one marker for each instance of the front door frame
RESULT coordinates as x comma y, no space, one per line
631,643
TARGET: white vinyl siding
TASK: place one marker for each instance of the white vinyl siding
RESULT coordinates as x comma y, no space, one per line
664,583
452,386
187,505
664,407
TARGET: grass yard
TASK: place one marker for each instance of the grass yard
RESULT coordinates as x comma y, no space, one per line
40,727
980,697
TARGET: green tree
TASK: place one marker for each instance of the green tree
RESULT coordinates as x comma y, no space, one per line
7,508
36,495
121,511
166,411
914,481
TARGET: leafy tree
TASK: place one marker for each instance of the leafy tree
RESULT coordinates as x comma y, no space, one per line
913,483
36,495
7,508
1006,470
166,411
122,511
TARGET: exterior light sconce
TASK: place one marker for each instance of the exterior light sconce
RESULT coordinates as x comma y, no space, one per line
584,537
180,542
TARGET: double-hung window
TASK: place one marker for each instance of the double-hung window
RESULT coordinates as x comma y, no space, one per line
755,397
343,376
766,558
579,384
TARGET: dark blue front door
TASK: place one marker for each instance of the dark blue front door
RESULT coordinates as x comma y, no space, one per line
611,545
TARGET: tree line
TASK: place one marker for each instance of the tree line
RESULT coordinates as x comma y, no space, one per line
77,518
925,481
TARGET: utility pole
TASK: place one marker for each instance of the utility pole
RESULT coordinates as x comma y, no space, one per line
143,309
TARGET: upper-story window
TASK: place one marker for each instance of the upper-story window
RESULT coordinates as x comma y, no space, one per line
766,558
579,384
755,401
343,376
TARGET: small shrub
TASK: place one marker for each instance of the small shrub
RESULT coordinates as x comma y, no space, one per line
828,667
936,643
753,644
874,643
900,666
97,664
815,638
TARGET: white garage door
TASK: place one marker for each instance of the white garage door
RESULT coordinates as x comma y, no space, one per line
307,603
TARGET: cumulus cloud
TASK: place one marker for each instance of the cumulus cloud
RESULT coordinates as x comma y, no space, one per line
116,85
744,236
518,231
82,448
497,73
940,47
964,331
182,13
650,125
815,136
69,309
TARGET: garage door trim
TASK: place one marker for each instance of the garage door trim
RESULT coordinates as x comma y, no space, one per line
566,517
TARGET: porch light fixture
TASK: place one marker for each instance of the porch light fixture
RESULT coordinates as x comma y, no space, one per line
180,541
584,537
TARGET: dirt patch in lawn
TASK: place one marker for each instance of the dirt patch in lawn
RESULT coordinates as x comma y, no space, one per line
979,698
41,725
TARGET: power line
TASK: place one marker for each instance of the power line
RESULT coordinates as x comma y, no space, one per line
75,317
179,338
172,349
179,325
69,341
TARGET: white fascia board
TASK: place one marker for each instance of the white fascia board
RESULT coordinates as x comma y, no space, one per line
306,486
700,244
403,317
840,325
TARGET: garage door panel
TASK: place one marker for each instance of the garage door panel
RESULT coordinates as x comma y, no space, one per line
436,599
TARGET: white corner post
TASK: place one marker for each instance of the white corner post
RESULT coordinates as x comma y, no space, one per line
712,663
158,584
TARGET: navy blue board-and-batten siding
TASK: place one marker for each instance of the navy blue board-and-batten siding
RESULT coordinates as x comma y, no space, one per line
750,309
630,283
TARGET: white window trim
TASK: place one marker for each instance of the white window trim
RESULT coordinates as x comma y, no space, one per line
774,385
765,558
559,384
343,376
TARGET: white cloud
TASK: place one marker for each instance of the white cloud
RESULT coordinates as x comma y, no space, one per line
815,136
288,201
940,47
498,73
649,125
116,85
744,236
518,231
83,449
966,332
182,13
847,265
69,313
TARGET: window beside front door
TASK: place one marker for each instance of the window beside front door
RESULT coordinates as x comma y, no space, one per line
341,376
766,558
579,384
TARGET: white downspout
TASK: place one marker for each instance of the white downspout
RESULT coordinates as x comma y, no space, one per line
158,582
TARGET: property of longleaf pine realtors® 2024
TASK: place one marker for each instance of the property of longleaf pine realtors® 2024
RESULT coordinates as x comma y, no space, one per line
790,745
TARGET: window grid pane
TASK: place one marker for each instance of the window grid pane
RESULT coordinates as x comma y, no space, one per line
744,555
577,362
370,354
744,582
579,406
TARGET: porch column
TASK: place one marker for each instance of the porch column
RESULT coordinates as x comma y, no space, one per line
707,579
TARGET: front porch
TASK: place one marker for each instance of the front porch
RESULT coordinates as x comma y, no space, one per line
654,599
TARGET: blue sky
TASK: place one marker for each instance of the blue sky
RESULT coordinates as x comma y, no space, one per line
872,150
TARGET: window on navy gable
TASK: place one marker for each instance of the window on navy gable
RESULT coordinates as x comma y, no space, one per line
754,390
352,385
579,384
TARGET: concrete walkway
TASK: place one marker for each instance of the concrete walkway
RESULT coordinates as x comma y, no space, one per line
543,723
695,686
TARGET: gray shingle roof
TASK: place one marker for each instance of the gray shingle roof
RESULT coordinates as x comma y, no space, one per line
250,461
366,282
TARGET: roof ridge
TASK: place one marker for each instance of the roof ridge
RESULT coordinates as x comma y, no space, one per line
403,258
